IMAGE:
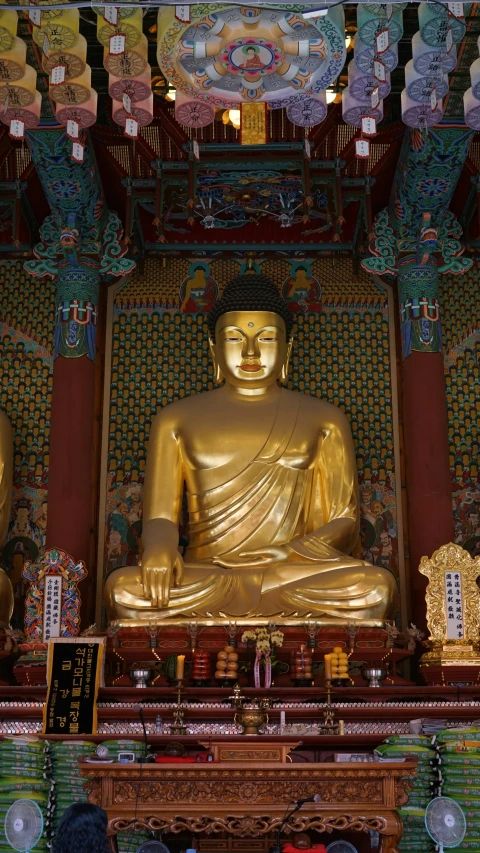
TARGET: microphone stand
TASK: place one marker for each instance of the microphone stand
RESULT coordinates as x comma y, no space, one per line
145,758
277,848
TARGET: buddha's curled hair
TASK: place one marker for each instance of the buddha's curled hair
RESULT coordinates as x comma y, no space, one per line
250,293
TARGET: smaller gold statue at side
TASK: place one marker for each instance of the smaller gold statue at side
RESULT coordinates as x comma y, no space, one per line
6,482
271,486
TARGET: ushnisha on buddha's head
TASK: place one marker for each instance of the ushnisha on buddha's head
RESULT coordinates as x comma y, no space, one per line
250,333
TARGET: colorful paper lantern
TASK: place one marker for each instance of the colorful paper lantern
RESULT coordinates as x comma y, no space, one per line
142,112
309,111
29,115
74,59
420,88
84,114
22,92
193,113
415,114
137,88
13,62
131,63
353,109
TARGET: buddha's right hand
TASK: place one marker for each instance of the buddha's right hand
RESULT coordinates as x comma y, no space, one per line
161,571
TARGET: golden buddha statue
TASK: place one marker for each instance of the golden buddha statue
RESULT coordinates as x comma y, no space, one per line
6,480
271,486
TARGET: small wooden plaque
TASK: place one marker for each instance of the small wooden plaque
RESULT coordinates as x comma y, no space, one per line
238,751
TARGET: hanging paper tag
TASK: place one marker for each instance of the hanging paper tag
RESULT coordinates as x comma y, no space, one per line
17,128
46,46
362,148
379,70
35,16
110,13
57,75
307,148
375,98
196,150
77,152
369,125
117,44
73,129
182,13
127,104
389,10
455,10
382,41
433,99
131,128
449,40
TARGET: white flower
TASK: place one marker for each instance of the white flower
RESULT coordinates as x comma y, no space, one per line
276,638
247,636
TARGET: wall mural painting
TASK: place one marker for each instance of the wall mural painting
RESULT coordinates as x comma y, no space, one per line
461,334
160,354
27,319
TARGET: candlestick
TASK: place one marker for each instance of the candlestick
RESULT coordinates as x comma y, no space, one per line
178,726
328,726
328,667
180,667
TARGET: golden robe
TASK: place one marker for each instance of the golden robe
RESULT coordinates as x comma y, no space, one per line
299,491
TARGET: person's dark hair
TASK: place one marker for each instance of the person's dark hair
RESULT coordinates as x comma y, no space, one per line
82,829
250,293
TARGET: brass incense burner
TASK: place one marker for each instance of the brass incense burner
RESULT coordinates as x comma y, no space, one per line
252,719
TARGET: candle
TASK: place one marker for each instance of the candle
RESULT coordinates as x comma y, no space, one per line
328,667
180,667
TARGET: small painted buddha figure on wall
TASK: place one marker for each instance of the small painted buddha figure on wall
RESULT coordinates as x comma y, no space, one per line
271,486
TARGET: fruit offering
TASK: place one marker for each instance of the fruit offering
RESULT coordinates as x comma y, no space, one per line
227,663
201,665
336,664
302,667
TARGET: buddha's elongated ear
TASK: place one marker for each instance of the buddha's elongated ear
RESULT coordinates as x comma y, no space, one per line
284,373
218,373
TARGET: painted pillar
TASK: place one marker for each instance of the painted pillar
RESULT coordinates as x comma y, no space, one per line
429,487
71,481
80,242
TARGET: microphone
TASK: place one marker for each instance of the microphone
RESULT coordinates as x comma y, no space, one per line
315,798
145,758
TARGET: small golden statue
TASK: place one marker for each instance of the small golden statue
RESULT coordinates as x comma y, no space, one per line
6,482
271,485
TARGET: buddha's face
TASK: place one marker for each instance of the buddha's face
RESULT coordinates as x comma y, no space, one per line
250,348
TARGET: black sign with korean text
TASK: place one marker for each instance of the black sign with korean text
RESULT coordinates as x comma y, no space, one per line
73,680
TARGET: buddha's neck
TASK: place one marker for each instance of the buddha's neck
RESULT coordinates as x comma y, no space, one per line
268,392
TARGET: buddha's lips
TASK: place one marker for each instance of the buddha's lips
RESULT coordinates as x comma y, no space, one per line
251,368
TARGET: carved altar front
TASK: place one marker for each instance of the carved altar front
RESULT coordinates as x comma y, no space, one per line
249,799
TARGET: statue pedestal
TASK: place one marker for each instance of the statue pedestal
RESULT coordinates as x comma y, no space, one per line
370,646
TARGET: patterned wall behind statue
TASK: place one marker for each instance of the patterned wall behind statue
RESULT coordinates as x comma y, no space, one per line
27,318
460,305
160,353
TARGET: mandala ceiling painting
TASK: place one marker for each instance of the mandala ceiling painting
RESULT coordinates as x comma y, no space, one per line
229,55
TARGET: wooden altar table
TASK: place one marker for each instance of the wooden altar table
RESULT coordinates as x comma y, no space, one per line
250,798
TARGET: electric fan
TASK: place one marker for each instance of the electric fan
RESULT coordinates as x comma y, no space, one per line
341,847
23,825
153,846
445,822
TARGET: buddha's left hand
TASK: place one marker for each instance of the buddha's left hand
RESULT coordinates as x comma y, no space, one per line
263,557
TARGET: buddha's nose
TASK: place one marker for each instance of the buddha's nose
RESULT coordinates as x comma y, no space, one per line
251,348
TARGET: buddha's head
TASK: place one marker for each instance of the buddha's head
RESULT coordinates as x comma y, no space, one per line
250,333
